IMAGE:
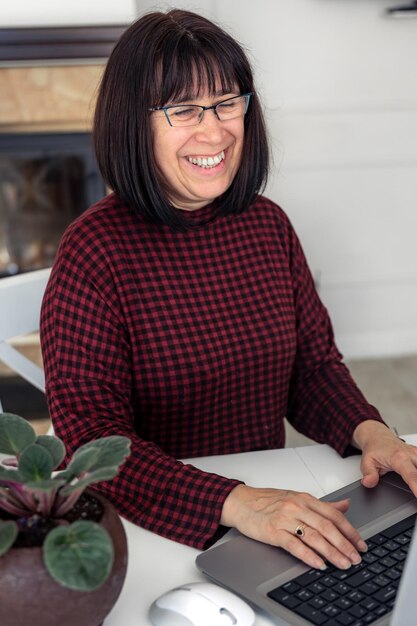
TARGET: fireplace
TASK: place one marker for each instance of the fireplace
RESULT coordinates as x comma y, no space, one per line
46,181
48,172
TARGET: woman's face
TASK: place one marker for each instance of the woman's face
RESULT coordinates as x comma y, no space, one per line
179,151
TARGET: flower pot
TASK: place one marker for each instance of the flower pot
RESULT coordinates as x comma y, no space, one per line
28,594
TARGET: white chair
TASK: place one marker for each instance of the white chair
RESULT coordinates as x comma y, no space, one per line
20,305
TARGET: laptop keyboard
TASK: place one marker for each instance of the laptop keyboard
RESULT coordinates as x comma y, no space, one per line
357,596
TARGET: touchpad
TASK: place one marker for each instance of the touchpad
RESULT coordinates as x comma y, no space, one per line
366,505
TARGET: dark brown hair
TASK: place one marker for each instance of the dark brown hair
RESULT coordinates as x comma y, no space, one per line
156,61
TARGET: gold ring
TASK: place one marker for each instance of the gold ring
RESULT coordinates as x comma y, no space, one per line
300,530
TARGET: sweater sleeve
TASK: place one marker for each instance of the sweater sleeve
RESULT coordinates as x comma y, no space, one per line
87,359
324,401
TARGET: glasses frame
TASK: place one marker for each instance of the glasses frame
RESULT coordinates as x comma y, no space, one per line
203,109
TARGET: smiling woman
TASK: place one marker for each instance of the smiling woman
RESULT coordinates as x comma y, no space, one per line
151,148
181,311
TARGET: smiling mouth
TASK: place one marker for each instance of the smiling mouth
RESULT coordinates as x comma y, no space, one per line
207,162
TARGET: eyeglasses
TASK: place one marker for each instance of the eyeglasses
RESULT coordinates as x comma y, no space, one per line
192,114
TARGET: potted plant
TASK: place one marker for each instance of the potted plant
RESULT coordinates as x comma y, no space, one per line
63,549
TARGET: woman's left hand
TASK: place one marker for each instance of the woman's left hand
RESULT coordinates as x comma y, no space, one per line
382,452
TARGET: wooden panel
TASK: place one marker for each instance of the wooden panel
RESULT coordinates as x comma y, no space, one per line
39,44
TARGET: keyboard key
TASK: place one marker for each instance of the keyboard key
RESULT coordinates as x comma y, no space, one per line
369,588
359,578
308,578
304,595
340,574
370,604
316,588
393,574
343,603
368,557
385,594
381,610
341,589
331,610
380,552
290,587
376,568
355,596
357,611
313,615
344,619
399,555
403,540
318,602
381,581
329,595
377,539
284,598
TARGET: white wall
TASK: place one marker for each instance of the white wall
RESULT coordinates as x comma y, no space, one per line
339,81
66,12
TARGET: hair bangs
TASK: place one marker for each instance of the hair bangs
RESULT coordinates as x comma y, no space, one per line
191,72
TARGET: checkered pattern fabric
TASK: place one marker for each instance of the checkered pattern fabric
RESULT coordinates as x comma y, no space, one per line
191,344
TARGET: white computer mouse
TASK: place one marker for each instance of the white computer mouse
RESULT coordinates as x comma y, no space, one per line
200,604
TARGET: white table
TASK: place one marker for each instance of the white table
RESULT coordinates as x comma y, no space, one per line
157,564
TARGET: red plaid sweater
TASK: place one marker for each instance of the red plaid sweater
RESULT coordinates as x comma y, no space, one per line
191,344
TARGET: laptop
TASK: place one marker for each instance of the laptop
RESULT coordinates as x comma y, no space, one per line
379,591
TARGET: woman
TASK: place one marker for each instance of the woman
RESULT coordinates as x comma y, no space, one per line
181,312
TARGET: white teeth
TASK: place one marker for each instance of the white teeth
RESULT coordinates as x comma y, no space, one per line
207,162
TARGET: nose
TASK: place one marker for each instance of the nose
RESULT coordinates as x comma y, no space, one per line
210,128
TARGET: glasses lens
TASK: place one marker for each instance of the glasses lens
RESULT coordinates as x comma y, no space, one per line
184,115
232,107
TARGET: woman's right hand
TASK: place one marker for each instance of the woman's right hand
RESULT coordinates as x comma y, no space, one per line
273,515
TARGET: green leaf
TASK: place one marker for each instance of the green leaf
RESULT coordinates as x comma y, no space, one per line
105,473
54,446
15,434
48,485
35,463
8,534
79,556
112,450
10,475
82,461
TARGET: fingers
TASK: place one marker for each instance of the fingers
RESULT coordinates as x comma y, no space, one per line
341,505
333,537
273,516
295,546
321,541
370,478
404,464
393,455
314,549
370,472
